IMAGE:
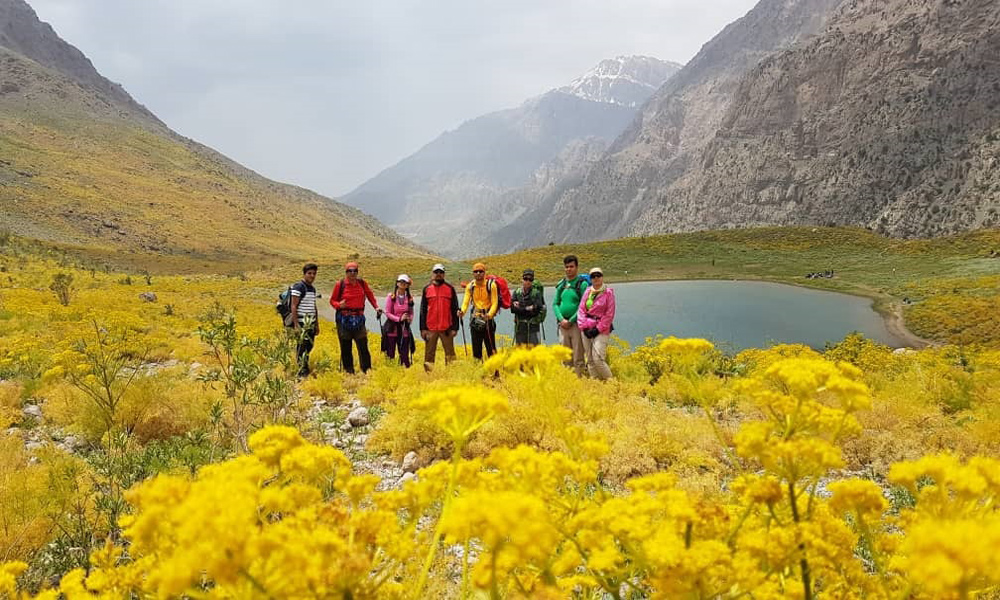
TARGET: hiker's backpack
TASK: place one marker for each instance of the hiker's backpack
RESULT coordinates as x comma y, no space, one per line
503,291
284,304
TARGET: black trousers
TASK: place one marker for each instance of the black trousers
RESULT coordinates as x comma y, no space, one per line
360,337
307,339
484,337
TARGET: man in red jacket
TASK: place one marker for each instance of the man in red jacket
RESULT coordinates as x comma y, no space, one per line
438,317
348,297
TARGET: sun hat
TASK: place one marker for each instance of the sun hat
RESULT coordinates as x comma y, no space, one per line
479,267
596,270
437,267
404,277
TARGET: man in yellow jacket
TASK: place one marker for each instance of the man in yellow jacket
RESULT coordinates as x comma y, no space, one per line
482,294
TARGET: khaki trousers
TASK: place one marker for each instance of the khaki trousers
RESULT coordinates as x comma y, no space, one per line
430,348
596,351
573,339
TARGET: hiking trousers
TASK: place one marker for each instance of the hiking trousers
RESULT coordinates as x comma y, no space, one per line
596,351
525,333
573,339
402,345
484,337
360,337
306,341
430,348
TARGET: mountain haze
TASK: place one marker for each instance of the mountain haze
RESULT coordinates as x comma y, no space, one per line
884,114
84,165
438,195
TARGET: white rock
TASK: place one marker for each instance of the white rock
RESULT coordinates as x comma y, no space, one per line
358,417
346,427
904,351
411,462
32,446
407,477
33,410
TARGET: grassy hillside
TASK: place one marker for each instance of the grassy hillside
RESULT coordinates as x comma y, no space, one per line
81,171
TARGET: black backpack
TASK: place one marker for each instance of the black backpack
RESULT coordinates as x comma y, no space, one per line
284,304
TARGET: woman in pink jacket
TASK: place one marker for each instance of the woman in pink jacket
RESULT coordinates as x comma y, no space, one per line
396,333
595,318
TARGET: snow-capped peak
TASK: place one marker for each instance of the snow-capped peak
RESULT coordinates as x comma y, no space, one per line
623,80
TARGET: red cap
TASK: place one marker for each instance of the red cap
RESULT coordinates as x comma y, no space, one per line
351,265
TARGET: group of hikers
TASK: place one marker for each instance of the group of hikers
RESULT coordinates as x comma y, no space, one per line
584,309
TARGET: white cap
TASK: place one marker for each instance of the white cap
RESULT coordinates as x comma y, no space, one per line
596,270
437,267
403,277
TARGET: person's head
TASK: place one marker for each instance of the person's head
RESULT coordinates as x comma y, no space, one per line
402,283
572,265
437,274
351,271
597,277
527,279
309,272
479,272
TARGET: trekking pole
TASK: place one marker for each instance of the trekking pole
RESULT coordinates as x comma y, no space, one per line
461,323
542,327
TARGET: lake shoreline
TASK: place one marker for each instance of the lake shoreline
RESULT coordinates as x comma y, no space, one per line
886,306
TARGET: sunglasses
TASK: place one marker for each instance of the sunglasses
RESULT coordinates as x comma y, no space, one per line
477,272
528,278
352,270
597,274
439,271
403,282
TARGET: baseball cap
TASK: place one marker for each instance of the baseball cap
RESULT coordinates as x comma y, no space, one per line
437,267
403,277
479,267
351,265
596,270
528,273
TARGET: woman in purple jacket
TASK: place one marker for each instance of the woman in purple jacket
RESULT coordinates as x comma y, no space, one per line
595,317
396,334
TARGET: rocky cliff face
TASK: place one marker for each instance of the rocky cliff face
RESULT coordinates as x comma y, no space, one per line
437,196
884,114
675,124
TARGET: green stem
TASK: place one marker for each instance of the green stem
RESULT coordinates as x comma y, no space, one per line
803,563
435,538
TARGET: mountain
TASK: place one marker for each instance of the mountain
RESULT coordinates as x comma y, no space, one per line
436,196
884,114
83,165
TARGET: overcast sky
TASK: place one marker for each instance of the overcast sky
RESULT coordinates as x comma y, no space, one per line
327,93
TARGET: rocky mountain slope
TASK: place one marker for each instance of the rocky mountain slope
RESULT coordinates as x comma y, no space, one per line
436,195
884,114
84,165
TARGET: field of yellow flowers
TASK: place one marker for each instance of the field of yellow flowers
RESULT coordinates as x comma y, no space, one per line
198,470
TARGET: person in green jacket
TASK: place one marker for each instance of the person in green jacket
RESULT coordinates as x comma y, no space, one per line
569,291
528,307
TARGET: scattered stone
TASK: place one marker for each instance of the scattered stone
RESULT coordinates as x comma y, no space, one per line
32,446
147,297
72,442
388,463
360,440
358,417
339,444
32,410
406,477
346,427
108,224
904,351
411,462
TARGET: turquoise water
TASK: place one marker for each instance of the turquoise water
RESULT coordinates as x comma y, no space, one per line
733,314
737,314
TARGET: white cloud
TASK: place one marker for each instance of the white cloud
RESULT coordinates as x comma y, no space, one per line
325,94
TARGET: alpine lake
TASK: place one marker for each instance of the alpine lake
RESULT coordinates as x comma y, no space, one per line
734,315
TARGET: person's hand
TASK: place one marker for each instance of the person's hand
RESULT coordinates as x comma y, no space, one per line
378,313
452,333
516,304
317,329
460,313
564,324
423,334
